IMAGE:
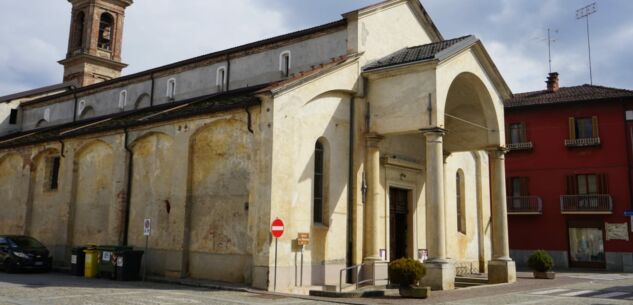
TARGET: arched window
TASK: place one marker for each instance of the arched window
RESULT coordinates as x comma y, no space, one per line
122,99
285,63
460,202
171,89
220,79
142,101
87,112
79,30
319,185
106,30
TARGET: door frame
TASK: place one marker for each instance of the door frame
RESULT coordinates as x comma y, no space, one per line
589,224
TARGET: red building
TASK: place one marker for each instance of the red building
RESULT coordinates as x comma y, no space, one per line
569,175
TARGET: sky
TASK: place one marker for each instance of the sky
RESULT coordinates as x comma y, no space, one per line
34,35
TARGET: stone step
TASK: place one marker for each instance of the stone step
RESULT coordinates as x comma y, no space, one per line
472,279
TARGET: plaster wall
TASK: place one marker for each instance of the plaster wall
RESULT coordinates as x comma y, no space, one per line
95,201
60,113
14,175
465,248
385,30
5,113
399,101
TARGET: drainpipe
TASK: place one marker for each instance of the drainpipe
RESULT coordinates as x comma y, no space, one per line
128,197
63,147
249,121
151,94
350,189
228,72
74,89
629,151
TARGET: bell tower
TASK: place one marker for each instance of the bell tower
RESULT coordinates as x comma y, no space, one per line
94,43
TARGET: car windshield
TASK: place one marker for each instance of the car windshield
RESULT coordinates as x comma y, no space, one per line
25,242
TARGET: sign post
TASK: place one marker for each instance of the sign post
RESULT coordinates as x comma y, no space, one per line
277,229
147,230
302,240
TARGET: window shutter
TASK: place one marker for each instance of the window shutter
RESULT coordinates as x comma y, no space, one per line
572,186
525,190
572,128
508,136
594,125
508,186
603,184
523,133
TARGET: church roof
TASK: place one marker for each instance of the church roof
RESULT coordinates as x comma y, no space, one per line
584,93
432,51
235,99
35,92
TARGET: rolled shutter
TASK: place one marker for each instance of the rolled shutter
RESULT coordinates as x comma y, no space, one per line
595,129
603,184
572,187
572,129
525,189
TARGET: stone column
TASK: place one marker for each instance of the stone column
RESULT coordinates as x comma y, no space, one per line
372,210
440,272
501,269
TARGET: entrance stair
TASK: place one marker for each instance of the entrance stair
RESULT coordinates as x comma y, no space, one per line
471,280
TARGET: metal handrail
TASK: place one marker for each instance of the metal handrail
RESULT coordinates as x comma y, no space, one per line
525,204
358,269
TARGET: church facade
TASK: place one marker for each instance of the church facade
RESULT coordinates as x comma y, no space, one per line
373,134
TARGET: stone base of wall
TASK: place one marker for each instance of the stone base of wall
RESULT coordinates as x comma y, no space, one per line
616,261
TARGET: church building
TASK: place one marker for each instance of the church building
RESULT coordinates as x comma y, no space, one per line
373,134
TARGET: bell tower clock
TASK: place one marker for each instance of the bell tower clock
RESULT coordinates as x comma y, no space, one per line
94,43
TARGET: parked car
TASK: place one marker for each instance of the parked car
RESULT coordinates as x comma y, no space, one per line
23,253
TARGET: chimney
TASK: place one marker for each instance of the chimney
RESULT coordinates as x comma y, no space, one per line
552,82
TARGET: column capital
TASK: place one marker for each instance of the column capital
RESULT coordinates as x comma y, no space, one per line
497,151
434,131
373,139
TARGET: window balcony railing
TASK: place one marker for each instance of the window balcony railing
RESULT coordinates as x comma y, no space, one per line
520,146
525,205
586,204
582,142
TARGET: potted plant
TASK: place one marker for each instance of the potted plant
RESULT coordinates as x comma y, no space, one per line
406,273
541,264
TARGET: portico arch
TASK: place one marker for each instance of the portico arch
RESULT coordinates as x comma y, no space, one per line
470,116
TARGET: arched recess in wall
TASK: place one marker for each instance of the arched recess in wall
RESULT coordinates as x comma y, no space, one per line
43,209
95,214
326,118
13,194
219,180
142,101
152,182
87,112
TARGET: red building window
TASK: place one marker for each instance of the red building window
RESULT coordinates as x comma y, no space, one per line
583,128
517,133
587,184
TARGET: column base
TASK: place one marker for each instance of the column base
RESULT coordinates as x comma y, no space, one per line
439,276
375,270
501,271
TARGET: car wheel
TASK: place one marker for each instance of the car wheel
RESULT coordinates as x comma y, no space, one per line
10,266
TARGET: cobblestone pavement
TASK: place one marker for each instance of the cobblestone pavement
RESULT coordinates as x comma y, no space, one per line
60,289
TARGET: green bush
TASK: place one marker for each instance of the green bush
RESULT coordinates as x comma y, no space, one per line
540,261
406,271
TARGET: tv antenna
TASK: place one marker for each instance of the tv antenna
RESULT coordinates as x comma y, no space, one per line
549,46
585,12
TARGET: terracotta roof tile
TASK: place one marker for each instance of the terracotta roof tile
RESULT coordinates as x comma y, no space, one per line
567,95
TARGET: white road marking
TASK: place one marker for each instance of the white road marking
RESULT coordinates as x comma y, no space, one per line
610,295
577,293
550,291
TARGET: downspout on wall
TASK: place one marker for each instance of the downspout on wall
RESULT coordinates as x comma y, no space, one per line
151,93
128,191
349,252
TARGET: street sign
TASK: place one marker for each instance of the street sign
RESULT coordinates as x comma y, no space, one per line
303,239
277,228
628,213
147,227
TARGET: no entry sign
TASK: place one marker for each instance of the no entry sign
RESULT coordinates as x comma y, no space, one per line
277,228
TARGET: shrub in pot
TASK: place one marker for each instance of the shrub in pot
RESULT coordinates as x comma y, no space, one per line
541,264
406,273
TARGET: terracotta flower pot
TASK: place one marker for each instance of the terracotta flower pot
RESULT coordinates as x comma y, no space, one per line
415,292
549,275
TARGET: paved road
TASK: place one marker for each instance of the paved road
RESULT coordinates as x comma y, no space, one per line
59,289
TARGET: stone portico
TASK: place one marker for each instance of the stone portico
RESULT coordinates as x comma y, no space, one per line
443,110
